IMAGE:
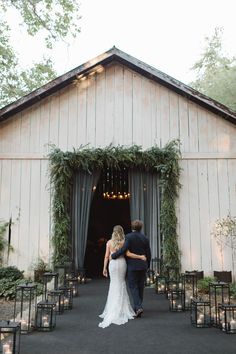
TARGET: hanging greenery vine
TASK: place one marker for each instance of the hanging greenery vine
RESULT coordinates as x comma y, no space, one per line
163,160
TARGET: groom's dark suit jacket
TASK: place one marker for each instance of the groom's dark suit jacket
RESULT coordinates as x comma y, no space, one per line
135,242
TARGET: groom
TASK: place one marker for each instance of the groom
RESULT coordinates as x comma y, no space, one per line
136,242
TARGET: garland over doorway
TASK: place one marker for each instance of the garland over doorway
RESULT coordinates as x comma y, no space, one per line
164,160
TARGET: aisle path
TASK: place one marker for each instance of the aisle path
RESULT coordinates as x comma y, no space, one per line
158,331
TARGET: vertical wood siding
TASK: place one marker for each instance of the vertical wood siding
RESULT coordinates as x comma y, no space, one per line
118,106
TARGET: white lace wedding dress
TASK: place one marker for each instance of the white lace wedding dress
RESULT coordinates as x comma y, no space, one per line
118,309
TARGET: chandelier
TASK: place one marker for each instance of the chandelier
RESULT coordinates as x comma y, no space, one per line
115,184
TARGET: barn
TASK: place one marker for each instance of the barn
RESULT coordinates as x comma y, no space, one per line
115,102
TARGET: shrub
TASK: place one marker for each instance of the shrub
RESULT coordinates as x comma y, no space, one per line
203,284
9,278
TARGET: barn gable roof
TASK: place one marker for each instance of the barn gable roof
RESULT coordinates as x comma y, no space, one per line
114,54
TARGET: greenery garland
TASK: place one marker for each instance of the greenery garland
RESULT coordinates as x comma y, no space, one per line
163,160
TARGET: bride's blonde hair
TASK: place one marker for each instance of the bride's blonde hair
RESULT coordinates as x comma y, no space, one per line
117,237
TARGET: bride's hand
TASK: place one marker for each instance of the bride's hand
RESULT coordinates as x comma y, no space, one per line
143,258
105,273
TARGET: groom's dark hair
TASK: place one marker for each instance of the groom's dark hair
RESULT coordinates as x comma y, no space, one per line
137,225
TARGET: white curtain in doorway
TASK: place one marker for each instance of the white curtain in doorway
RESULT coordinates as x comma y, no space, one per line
83,191
144,205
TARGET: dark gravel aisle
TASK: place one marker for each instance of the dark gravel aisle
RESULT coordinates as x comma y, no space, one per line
158,331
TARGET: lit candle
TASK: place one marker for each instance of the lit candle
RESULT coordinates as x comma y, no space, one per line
232,324
6,349
23,325
200,319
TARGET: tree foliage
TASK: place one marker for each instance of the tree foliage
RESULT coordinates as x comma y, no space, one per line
216,73
55,20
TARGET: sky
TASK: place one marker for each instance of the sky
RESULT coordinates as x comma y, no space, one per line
166,34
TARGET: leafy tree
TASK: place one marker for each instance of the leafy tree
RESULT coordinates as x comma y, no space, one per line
216,73
55,20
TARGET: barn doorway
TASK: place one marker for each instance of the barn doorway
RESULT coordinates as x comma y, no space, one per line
104,214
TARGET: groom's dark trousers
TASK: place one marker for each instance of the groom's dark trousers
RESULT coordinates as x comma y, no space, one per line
136,242
136,281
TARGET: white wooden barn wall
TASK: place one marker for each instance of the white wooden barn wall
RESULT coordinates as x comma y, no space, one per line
119,106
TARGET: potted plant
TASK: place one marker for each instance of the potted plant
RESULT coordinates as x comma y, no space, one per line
203,287
40,268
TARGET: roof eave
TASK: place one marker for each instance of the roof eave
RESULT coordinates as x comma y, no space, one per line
115,54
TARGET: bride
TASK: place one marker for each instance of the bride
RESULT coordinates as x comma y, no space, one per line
118,309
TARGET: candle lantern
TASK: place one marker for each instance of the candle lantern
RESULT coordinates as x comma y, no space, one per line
172,273
189,280
10,337
81,276
173,285
227,317
200,313
156,266
149,281
74,284
50,282
25,306
219,293
176,300
46,316
61,270
68,297
160,284
57,296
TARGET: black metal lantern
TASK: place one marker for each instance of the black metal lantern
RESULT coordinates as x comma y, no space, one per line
50,282
61,270
57,296
68,297
219,293
173,285
81,276
176,300
156,266
189,281
10,337
150,278
200,313
227,317
25,306
172,273
74,284
46,316
160,284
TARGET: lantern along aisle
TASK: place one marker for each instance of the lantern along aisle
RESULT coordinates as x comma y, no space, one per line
10,337
46,316
68,297
189,281
50,282
25,306
74,284
176,300
200,313
160,284
57,296
219,293
227,318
